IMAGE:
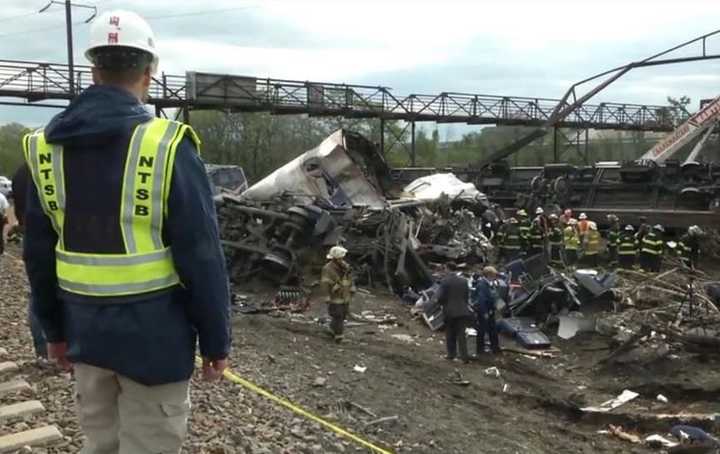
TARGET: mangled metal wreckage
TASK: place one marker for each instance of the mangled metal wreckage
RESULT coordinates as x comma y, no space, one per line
345,170
339,193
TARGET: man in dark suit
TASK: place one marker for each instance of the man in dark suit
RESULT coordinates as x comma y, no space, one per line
453,296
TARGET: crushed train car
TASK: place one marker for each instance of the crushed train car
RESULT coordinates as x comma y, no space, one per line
344,171
337,193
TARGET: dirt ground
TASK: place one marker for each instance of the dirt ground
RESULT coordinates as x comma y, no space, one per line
530,408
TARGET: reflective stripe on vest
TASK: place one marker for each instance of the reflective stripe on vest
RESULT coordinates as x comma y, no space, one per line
593,243
652,245
556,236
572,241
115,274
143,188
46,167
613,238
147,263
627,246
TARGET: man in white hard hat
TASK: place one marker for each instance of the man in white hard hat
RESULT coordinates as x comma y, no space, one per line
689,246
613,238
591,245
123,253
627,248
583,225
652,248
338,285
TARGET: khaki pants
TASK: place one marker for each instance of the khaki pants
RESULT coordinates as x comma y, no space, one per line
121,416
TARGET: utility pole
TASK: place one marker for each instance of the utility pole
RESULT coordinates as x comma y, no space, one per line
71,60
68,26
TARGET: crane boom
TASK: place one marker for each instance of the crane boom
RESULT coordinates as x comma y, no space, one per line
695,125
699,146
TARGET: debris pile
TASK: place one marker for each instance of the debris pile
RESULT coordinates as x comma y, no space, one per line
338,193
658,314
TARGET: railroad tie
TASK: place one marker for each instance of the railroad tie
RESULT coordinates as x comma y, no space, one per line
24,410
7,367
13,386
33,437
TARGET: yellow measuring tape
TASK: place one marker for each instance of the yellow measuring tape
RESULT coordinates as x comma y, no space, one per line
233,377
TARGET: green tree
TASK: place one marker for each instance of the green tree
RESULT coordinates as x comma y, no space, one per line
11,154
680,105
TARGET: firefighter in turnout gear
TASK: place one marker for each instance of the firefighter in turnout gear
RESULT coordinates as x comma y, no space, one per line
122,251
524,225
643,229
540,215
571,240
627,248
565,218
592,245
613,238
509,241
536,238
689,246
338,286
652,247
583,225
555,237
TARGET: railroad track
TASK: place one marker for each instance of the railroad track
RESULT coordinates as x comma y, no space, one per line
24,407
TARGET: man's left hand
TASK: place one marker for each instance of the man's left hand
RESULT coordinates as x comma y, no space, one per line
57,351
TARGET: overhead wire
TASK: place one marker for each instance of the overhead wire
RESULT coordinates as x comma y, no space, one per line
20,16
23,32
159,17
202,12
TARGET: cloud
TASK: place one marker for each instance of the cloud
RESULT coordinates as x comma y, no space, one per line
512,47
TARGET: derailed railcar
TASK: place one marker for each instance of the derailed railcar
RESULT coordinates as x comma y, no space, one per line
673,194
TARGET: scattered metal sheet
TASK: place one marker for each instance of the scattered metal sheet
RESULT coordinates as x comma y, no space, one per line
625,397
436,186
345,170
574,323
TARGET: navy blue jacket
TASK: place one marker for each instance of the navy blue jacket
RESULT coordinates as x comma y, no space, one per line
482,298
453,296
150,338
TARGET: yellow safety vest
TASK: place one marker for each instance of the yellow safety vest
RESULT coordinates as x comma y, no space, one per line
592,245
571,239
147,263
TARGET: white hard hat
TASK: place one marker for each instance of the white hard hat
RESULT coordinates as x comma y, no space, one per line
336,252
539,210
695,230
629,228
592,226
122,29
572,221
583,216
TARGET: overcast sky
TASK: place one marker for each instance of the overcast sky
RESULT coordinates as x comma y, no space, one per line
505,47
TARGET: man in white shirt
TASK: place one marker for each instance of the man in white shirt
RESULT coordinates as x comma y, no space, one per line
4,205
